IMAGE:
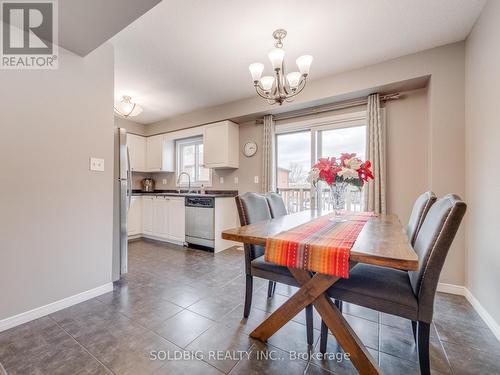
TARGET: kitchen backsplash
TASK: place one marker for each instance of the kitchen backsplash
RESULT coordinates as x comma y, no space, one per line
221,180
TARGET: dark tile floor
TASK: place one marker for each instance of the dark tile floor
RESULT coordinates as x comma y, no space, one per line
186,303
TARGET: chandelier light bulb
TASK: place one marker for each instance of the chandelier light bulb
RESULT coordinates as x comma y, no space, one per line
256,70
304,64
276,57
267,82
293,79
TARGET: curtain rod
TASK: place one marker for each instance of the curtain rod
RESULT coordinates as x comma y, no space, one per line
330,107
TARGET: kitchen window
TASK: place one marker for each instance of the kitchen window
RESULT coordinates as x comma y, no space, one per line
190,160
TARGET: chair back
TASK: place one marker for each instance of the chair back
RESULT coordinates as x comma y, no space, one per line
431,245
420,209
276,204
252,207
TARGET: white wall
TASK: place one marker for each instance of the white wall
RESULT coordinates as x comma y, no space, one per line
482,153
56,217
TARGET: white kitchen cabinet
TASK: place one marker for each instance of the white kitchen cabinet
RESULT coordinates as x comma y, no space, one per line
160,154
161,217
157,217
147,215
154,153
176,222
135,217
221,145
168,155
137,150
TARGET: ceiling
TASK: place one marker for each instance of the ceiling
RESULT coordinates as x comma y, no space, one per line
85,25
186,54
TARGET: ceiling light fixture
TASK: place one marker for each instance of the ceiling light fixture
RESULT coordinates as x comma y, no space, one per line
127,108
281,87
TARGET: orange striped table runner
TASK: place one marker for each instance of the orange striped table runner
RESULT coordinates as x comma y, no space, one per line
322,245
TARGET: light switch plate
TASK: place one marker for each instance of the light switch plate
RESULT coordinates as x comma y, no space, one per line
221,180
97,164
164,181
256,179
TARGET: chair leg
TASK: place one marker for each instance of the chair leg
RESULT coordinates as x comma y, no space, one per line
270,288
414,329
423,333
248,295
323,338
309,325
338,303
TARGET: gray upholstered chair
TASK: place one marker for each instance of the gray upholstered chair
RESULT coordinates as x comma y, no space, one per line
407,294
277,208
418,213
276,204
253,207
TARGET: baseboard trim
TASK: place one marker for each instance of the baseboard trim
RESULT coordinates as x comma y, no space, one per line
463,291
451,289
41,311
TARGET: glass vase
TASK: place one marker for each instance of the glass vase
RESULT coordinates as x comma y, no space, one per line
337,196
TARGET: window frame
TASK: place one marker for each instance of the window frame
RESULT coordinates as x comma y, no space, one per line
179,145
315,126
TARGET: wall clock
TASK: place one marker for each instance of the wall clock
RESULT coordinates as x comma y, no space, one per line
250,149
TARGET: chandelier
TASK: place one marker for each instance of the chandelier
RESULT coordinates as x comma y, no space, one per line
127,108
281,87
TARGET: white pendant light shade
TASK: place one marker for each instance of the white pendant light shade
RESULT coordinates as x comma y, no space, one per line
127,108
293,79
276,57
267,82
256,70
304,63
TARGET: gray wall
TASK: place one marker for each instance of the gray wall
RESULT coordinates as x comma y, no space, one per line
482,153
56,216
131,126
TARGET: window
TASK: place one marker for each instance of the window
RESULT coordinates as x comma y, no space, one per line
300,144
293,152
335,141
190,160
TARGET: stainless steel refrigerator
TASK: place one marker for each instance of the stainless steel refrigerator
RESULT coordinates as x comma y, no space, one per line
122,196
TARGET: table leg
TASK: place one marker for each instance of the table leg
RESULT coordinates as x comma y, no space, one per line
308,293
340,328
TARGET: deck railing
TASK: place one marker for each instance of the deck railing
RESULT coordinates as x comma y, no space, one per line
299,199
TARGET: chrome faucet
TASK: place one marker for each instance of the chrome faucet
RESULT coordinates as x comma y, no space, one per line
189,181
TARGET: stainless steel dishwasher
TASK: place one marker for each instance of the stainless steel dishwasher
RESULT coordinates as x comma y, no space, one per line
200,221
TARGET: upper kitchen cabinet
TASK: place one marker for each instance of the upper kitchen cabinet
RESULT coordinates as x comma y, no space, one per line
137,150
221,145
160,154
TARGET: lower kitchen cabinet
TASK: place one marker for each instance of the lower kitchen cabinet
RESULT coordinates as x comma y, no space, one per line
177,219
135,217
162,218
147,215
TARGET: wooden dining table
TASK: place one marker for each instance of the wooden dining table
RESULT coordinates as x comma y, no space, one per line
381,242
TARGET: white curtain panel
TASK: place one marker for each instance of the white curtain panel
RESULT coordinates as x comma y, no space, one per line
375,199
268,156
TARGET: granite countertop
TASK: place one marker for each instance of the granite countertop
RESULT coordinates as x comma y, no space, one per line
184,193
